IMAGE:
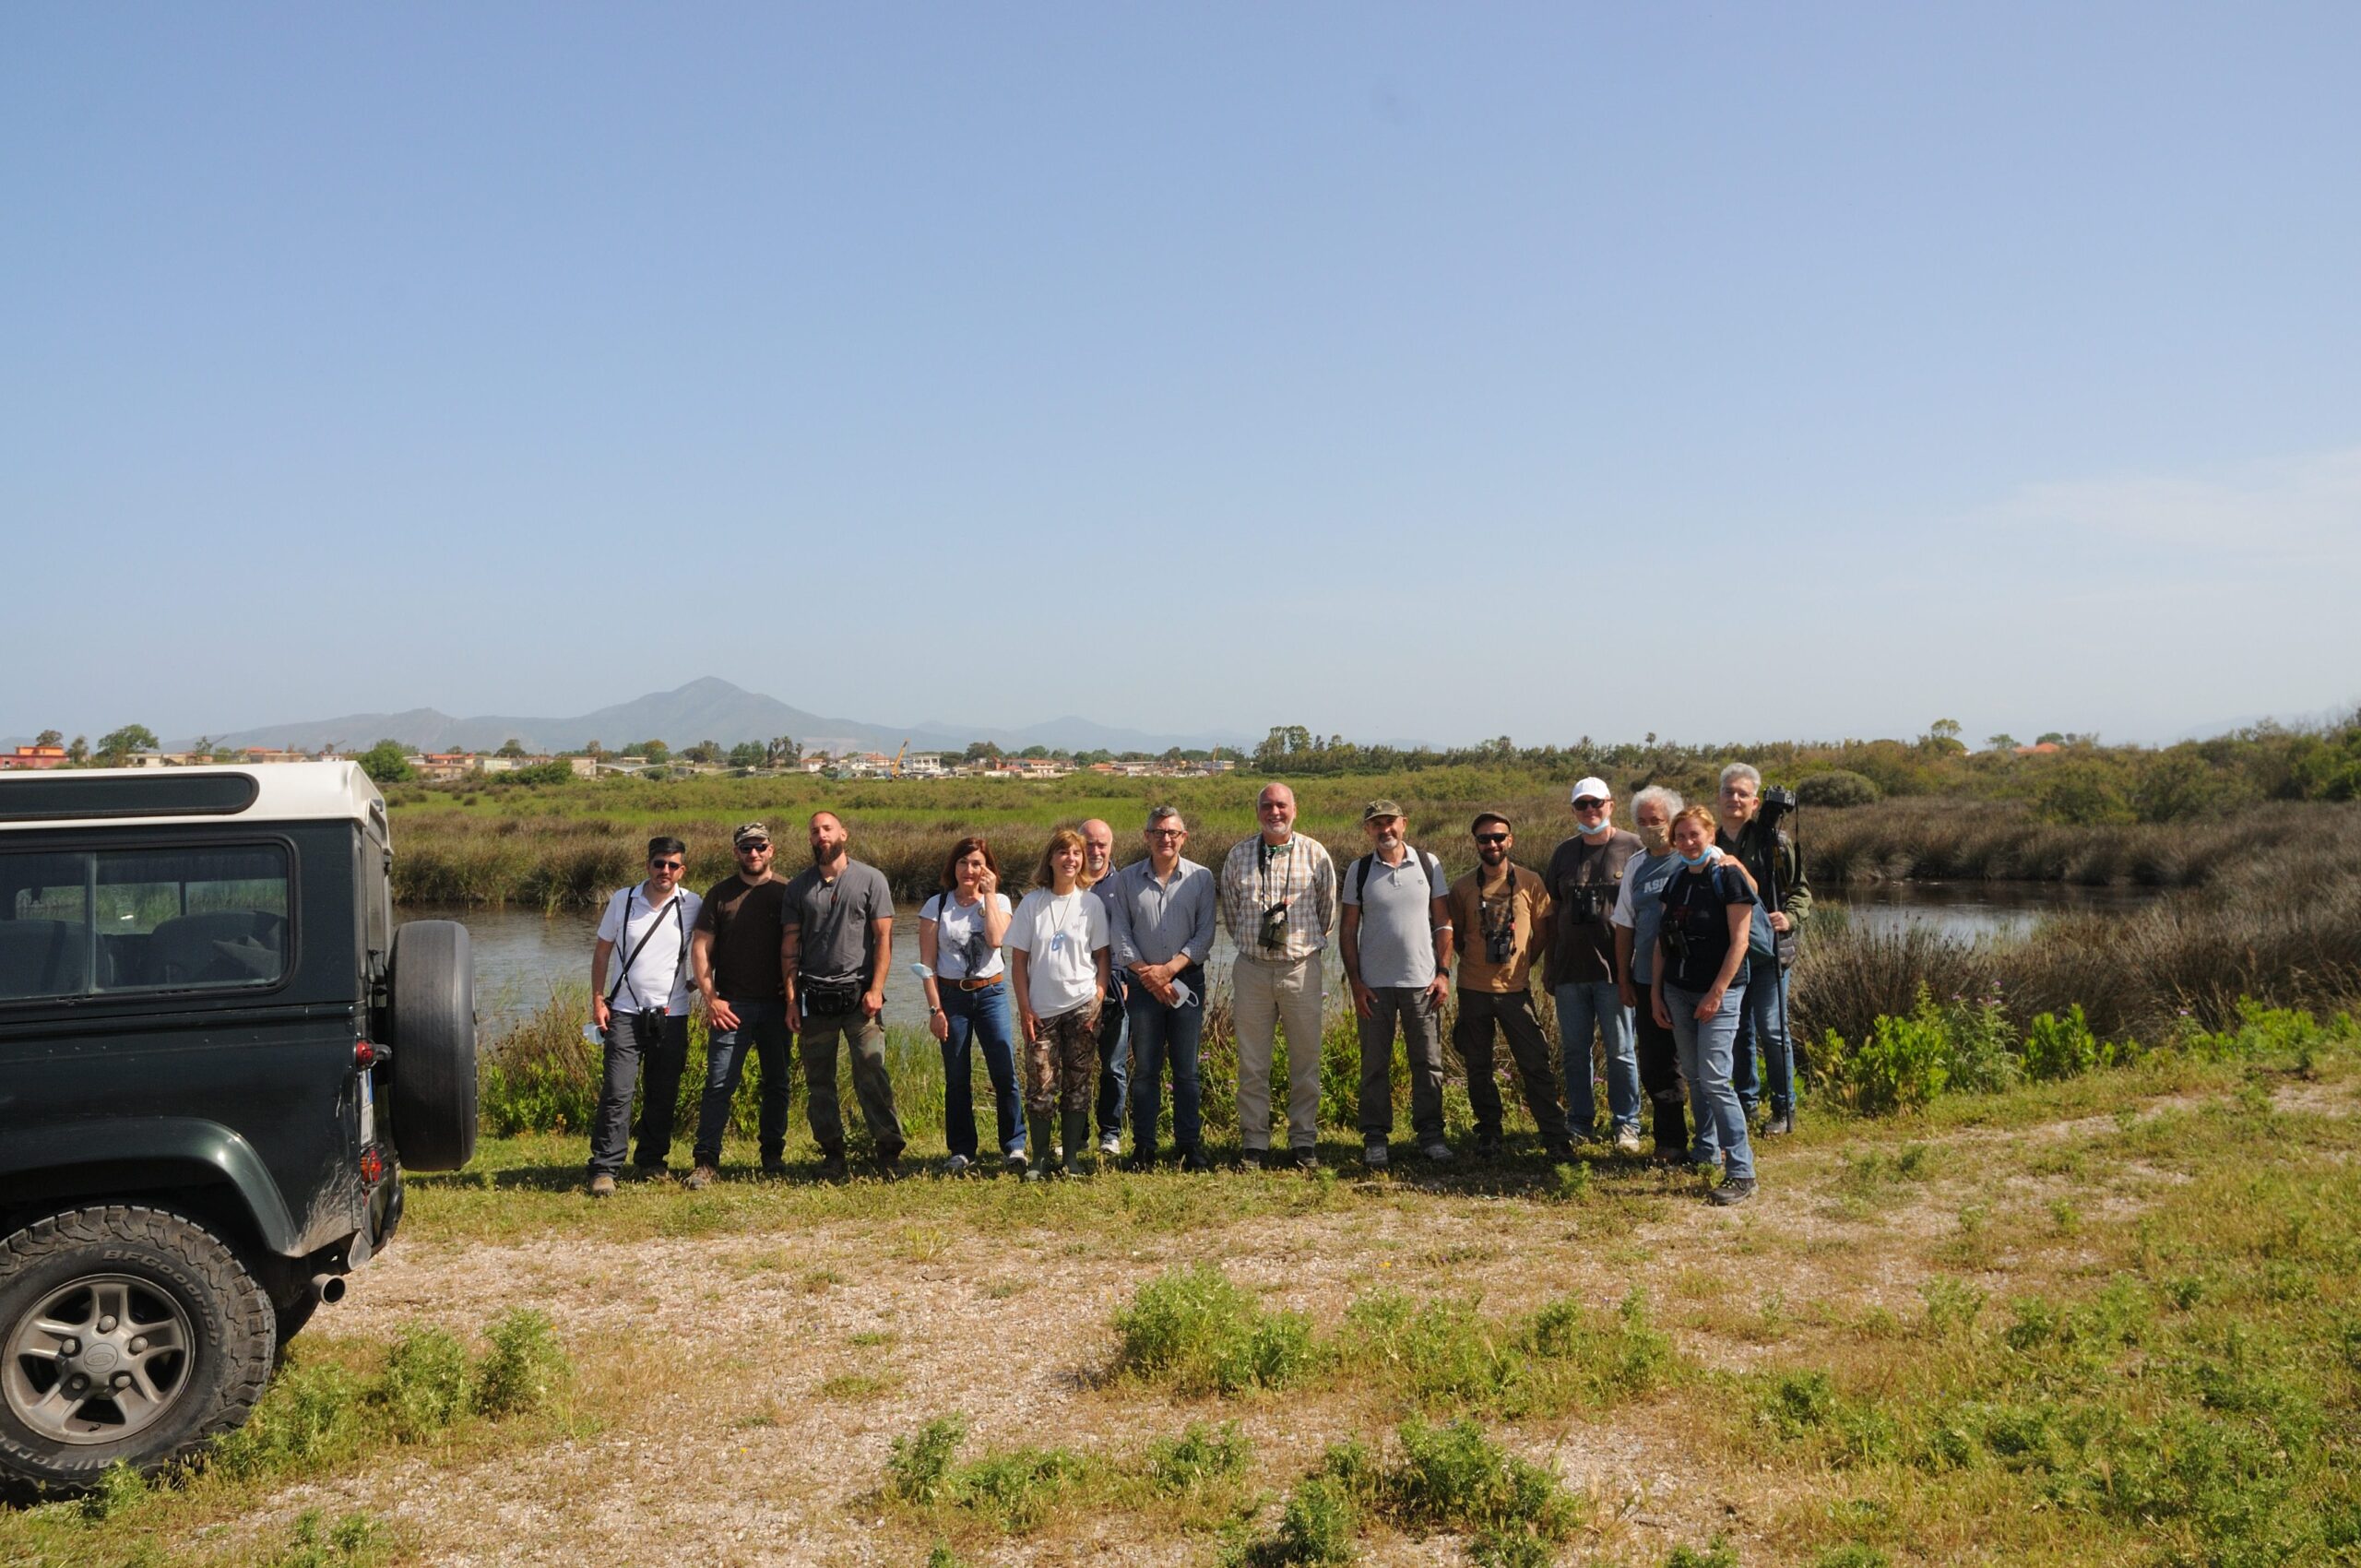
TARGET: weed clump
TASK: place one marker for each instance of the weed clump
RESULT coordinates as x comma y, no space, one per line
919,1467
429,1384
1015,1488
526,1371
1199,1458
1194,1329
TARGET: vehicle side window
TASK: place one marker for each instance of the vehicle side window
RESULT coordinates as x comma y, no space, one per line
45,925
141,920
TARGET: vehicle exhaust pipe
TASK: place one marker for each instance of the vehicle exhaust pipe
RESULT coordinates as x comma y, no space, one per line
327,1289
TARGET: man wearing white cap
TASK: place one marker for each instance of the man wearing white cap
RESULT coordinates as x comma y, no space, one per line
1586,873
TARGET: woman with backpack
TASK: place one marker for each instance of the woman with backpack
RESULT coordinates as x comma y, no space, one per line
960,932
1696,992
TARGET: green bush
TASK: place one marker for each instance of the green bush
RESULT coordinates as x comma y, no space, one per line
310,1417
428,1384
1903,1062
919,1468
1837,788
1199,1458
1456,1478
2063,1048
1317,1530
526,1371
1195,1329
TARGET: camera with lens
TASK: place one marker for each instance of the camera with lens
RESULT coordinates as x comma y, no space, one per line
1500,945
1777,802
1275,928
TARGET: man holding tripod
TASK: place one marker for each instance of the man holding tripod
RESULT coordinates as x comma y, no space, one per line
1750,832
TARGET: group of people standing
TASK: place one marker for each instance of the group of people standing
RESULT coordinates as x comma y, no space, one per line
1668,947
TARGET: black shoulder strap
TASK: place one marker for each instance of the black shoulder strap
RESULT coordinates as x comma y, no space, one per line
620,975
1360,876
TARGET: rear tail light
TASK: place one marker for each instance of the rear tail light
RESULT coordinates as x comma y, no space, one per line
364,1055
373,1165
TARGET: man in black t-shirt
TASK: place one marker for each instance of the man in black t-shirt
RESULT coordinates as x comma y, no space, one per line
1578,962
734,954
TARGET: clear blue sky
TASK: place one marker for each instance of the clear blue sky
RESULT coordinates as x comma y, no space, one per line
1395,370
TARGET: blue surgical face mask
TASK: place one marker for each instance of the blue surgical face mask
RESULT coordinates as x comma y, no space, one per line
1701,859
1587,831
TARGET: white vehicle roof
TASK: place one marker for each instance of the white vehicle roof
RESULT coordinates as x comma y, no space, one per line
284,791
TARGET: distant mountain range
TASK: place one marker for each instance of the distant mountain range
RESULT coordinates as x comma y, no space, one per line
706,709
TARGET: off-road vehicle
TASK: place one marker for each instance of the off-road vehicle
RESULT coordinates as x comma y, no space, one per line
216,1053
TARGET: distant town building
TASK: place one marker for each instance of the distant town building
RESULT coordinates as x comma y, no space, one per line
34,757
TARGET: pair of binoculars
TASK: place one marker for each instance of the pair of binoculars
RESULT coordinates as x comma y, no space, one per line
1275,927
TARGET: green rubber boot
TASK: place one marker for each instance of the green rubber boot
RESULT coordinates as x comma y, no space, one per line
1076,1124
1037,1134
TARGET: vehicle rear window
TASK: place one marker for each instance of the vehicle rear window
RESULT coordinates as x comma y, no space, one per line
80,922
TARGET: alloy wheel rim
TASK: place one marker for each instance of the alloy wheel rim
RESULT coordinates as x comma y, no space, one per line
98,1360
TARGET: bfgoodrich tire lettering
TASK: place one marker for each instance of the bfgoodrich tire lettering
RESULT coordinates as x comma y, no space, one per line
65,1284
433,1074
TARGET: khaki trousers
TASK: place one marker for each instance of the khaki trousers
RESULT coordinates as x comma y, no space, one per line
1266,996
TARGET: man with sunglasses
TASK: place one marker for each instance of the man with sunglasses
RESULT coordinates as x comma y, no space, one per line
642,1016
734,951
1586,873
1499,910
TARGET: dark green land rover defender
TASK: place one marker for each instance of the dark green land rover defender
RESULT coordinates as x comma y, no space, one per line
217,1054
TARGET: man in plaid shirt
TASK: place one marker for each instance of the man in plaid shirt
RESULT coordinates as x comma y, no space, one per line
1279,900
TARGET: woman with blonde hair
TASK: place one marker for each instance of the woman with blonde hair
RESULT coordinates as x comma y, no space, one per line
1057,946
1701,954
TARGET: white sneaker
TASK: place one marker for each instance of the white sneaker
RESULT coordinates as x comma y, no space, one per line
1374,1154
1437,1154
1627,1140
1111,1144
956,1166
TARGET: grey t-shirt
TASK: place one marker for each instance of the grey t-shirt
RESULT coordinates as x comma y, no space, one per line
833,918
1397,934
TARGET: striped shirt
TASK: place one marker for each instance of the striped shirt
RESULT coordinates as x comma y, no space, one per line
1299,874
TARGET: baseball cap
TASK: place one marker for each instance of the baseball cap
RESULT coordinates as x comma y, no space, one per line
1593,788
1376,809
747,833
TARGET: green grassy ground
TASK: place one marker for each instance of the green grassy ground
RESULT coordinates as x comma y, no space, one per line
2114,1319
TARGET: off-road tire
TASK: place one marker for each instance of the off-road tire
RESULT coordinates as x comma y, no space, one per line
229,1324
432,1087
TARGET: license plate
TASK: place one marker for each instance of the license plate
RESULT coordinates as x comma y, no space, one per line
368,1106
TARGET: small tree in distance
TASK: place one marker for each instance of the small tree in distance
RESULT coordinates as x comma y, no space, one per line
387,762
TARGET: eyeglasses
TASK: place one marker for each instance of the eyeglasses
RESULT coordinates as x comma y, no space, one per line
1168,833
1492,837
753,845
1587,804
664,866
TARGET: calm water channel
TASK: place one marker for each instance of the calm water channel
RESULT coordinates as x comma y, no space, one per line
522,957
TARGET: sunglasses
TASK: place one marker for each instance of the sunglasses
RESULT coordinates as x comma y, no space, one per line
664,866
1587,804
1492,837
753,845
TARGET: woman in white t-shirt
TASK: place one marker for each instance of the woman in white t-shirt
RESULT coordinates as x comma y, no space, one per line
1059,945
960,931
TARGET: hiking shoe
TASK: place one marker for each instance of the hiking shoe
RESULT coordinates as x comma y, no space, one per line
1194,1160
1038,1172
1487,1146
776,1169
833,1166
1375,1155
1781,1124
956,1166
1627,1140
1732,1192
1437,1153
1111,1144
1305,1158
602,1185
703,1176
889,1161
1558,1151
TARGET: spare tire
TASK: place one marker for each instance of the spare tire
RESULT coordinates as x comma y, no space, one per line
434,1070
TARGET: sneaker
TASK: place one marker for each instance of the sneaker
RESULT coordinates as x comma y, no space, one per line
1732,1192
776,1169
602,1185
1111,1144
1627,1140
889,1161
1557,1152
1374,1154
1437,1153
956,1166
1194,1160
1304,1159
1487,1146
1256,1159
1016,1163
1141,1161
1781,1124
703,1176
833,1166
1037,1172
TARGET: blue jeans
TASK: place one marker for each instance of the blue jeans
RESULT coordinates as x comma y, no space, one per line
1158,1032
1583,1005
1114,1058
982,1017
1704,1045
1761,1022
762,1028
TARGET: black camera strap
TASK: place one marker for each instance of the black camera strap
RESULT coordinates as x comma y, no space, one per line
679,922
